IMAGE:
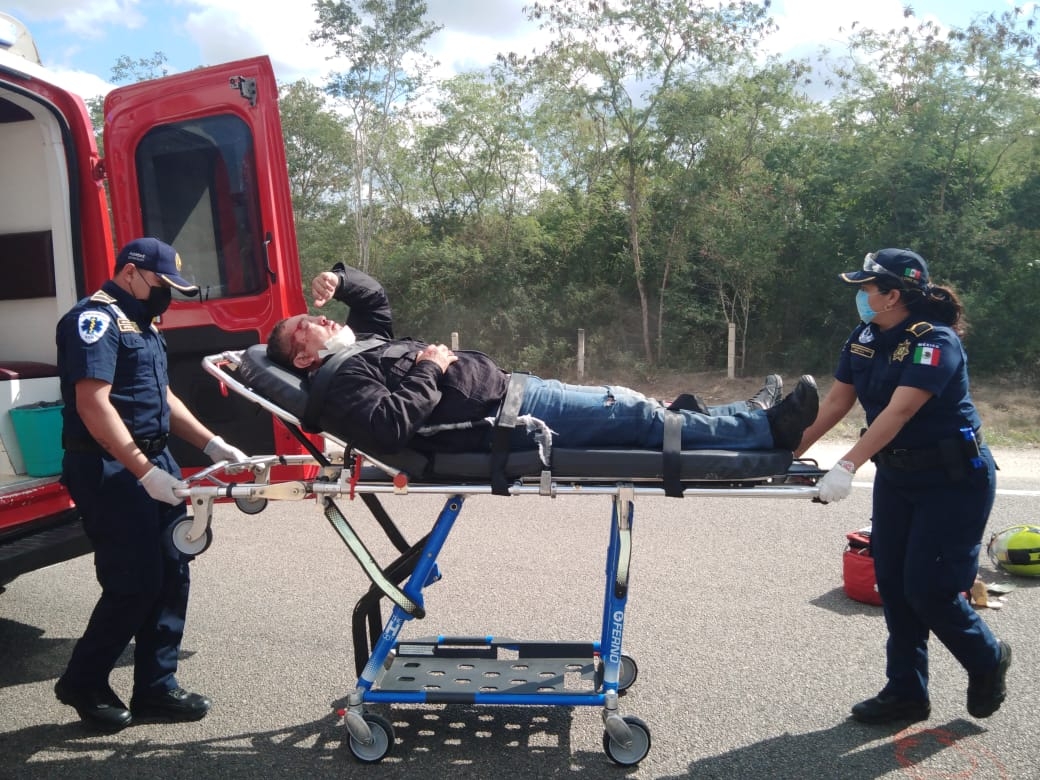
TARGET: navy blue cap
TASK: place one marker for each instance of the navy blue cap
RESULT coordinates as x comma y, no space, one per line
908,267
151,254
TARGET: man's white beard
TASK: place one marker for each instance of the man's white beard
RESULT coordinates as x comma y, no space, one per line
342,339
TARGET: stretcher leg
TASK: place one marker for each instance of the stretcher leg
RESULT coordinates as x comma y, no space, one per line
425,571
626,740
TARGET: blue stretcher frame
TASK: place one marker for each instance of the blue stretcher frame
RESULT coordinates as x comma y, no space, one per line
387,673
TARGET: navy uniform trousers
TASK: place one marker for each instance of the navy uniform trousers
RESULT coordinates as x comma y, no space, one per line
144,588
926,536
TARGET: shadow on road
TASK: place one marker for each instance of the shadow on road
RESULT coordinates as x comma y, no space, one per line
846,751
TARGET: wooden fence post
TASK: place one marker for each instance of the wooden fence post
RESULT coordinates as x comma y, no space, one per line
581,354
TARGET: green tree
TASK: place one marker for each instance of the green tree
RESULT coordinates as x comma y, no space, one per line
617,60
383,43
727,204
470,154
319,158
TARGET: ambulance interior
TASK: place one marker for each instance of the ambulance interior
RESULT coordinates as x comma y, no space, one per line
35,230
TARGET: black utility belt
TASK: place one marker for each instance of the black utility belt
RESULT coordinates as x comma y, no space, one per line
948,453
150,447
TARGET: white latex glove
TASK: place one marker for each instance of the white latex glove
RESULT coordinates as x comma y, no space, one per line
836,484
160,485
217,449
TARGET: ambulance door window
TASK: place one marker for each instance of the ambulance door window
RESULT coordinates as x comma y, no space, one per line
198,192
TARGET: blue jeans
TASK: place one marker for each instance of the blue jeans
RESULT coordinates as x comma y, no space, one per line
613,416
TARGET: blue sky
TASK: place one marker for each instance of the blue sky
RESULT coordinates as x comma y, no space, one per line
83,38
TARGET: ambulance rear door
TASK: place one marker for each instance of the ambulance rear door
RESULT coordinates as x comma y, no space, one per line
197,160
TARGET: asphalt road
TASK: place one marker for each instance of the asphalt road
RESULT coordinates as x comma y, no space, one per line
749,653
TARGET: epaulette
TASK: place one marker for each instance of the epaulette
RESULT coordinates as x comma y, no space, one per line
102,297
919,329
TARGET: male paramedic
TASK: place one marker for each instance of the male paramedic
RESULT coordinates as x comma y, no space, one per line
388,393
119,411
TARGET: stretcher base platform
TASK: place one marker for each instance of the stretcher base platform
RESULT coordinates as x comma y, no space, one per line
453,670
394,669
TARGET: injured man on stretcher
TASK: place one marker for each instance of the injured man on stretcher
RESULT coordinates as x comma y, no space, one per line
385,394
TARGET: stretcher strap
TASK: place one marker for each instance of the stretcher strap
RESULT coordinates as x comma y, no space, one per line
671,467
504,431
623,509
320,380
368,563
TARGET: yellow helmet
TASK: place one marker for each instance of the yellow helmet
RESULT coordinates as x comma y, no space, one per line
1016,550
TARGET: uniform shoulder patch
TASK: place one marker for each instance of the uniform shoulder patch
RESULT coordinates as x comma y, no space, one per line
919,329
102,297
92,325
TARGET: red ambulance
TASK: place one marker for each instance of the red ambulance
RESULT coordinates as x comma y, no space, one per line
194,159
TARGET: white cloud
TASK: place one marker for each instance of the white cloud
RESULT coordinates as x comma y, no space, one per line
87,19
499,19
804,24
226,30
86,85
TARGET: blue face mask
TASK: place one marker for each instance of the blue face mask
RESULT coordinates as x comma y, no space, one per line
863,306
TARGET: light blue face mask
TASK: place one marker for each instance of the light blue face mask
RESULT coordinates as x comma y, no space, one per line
863,306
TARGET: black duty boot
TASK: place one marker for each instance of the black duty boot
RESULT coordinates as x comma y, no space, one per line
99,708
789,418
175,704
986,692
885,708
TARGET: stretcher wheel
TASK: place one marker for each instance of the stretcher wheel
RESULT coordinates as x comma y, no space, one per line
179,538
635,752
627,674
382,740
251,506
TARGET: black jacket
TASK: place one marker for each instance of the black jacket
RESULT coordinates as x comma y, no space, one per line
379,398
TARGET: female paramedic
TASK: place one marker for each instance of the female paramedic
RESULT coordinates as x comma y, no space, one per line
935,480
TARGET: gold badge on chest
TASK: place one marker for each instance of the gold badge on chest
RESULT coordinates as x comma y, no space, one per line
901,351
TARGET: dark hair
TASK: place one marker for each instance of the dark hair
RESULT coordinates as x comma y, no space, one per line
279,346
934,302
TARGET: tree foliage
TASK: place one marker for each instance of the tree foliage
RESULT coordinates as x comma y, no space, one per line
649,175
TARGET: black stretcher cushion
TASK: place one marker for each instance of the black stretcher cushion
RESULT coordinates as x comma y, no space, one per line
288,391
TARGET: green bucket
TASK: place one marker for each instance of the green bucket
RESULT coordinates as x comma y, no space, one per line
38,428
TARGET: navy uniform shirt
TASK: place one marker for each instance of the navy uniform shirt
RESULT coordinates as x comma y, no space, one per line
915,353
109,337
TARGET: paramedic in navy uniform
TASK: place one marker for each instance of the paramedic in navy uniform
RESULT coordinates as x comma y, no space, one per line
118,412
934,485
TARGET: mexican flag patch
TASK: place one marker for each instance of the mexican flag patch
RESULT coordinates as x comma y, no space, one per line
925,355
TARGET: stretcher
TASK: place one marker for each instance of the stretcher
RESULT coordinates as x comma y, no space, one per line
484,670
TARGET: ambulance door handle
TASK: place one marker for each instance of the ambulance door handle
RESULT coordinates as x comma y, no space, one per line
267,257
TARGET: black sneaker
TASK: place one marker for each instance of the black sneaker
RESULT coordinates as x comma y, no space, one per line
789,418
769,395
986,692
175,704
99,708
885,708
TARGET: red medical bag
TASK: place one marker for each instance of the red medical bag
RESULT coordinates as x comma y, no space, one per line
858,568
